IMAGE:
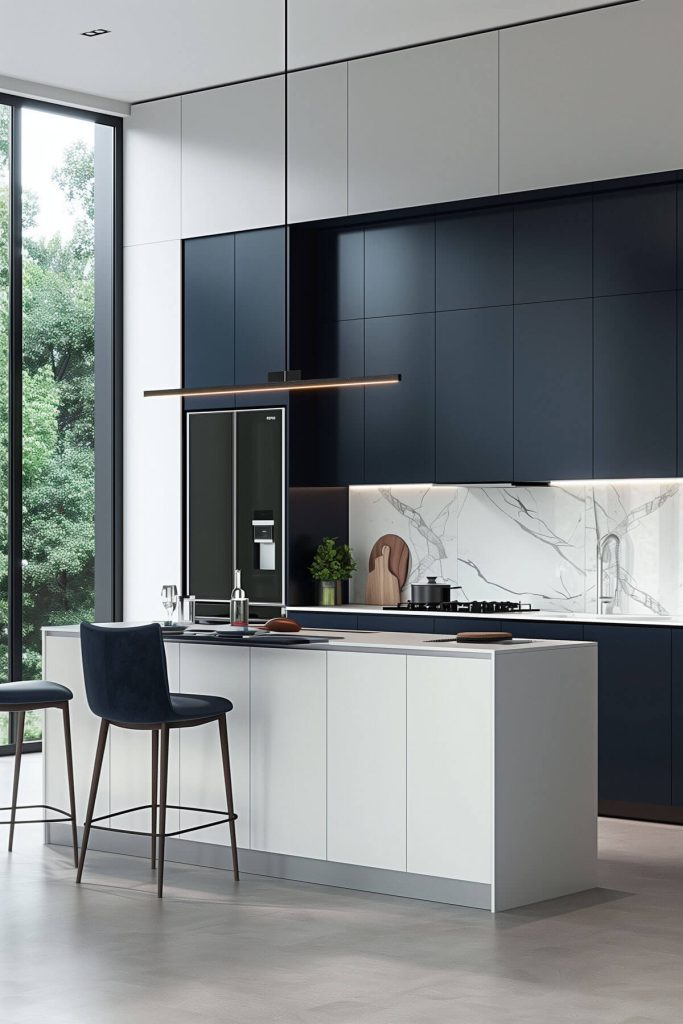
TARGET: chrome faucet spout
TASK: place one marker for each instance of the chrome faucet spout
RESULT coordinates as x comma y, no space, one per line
609,549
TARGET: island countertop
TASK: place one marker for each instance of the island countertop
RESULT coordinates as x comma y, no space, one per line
362,640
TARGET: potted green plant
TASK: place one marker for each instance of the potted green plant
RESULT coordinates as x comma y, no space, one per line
332,565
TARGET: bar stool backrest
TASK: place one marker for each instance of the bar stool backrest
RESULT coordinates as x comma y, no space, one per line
125,673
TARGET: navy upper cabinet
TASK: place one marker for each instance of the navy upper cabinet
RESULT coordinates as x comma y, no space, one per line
399,418
474,260
634,712
474,395
209,317
341,275
259,309
553,390
634,243
635,385
554,250
399,269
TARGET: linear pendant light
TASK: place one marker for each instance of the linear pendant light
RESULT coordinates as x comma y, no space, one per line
290,380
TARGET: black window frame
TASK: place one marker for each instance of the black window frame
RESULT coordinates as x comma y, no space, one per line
108,376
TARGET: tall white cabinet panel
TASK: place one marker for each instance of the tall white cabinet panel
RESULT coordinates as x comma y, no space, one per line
151,169
225,673
130,759
62,664
316,143
366,759
288,760
327,30
450,755
152,467
233,152
423,125
593,96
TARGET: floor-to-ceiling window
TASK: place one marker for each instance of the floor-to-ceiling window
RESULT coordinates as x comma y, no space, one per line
52,257
5,121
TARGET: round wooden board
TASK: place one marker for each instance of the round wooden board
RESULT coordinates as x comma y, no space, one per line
482,638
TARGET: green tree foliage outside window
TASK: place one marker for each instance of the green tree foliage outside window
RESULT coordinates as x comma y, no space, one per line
58,412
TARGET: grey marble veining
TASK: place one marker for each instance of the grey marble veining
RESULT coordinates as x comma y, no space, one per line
538,545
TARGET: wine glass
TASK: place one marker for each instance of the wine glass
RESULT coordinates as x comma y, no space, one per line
169,599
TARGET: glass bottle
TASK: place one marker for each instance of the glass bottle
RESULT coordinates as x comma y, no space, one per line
239,603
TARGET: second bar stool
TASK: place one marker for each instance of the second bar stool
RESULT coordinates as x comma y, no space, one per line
126,684
36,695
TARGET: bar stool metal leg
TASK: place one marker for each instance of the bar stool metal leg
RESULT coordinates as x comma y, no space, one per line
163,793
97,769
21,717
155,793
70,775
223,729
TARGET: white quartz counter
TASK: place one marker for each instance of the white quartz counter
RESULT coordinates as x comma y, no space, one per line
538,616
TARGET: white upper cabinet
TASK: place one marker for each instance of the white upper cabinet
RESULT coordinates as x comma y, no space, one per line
423,125
151,205
327,30
593,96
233,153
316,143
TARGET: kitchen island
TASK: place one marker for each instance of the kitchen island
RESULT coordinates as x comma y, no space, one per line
389,762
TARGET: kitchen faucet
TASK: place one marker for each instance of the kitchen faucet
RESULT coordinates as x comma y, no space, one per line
608,558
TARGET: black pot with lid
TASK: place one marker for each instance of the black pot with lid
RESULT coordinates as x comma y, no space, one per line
431,592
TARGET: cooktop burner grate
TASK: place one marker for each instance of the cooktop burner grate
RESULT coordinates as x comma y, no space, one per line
464,607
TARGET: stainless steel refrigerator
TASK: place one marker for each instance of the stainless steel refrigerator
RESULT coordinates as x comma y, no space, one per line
235,509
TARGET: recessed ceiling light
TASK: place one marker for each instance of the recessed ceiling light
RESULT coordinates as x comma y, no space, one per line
91,33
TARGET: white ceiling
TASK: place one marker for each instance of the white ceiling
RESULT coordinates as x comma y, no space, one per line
161,47
156,47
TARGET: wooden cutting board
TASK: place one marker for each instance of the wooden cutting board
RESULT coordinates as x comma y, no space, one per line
388,570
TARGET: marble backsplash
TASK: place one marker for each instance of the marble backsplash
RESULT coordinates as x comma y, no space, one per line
533,544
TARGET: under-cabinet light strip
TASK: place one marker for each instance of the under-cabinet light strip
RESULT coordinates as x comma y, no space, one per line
322,384
617,483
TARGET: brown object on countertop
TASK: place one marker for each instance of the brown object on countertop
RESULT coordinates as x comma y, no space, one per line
482,638
399,555
388,570
282,625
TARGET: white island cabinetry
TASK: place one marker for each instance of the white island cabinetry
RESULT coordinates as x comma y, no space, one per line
377,761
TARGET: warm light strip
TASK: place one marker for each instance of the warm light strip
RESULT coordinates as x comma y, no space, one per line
403,487
322,384
616,483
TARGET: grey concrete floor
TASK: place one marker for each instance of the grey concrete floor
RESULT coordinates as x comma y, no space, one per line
109,952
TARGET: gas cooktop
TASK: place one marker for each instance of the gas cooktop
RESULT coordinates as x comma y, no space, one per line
463,607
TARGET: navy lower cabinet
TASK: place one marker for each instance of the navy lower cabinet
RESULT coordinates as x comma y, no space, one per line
634,713
325,620
677,717
400,623
474,364
543,630
461,624
399,418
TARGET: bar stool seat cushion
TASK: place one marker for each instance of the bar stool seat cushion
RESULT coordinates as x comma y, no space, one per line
34,691
187,706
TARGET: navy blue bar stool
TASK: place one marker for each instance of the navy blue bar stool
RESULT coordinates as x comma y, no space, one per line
126,683
35,695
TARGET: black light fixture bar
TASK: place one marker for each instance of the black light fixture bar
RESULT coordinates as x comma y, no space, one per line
287,381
